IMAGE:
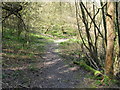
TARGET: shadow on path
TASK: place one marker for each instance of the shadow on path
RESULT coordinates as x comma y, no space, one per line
50,72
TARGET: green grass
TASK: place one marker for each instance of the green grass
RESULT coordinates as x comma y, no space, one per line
19,52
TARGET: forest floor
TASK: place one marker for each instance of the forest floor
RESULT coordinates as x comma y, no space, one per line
58,73
49,70
52,71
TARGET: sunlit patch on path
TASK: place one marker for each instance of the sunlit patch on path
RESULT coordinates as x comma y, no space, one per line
60,40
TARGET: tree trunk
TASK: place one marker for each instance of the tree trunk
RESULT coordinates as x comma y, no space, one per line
104,23
117,24
117,59
110,38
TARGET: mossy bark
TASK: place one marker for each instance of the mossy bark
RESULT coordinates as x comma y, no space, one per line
87,67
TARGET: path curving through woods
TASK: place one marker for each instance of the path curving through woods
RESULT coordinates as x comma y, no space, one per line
56,73
52,71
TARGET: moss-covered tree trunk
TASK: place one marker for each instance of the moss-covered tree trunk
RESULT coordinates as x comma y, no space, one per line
110,38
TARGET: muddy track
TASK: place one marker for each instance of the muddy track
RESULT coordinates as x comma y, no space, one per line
52,72
56,73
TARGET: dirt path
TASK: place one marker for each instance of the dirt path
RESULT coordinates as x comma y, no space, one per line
56,73
50,72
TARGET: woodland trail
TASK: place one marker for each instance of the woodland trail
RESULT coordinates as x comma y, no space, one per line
51,72
57,73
